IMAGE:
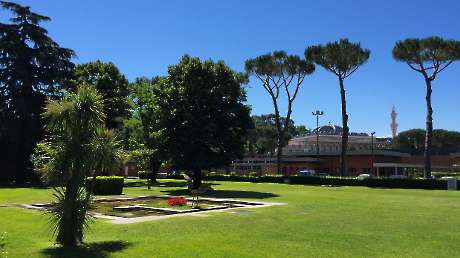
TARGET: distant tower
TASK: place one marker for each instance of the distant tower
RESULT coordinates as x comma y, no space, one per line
394,125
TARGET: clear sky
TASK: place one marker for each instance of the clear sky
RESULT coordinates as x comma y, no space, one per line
143,37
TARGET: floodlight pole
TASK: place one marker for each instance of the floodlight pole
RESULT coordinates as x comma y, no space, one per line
317,113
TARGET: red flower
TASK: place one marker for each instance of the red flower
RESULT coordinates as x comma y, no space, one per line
173,201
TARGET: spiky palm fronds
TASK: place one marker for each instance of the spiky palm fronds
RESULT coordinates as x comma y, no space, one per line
70,217
67,157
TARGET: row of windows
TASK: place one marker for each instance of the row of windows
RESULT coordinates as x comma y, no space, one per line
330,148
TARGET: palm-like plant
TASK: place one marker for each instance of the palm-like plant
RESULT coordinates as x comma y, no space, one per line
74,124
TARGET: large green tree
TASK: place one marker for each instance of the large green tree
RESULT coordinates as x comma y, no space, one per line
262,138
201,115
427,56
32,67
342,58
145,136
113,86
281,75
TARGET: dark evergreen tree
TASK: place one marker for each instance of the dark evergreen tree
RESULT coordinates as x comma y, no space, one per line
32,68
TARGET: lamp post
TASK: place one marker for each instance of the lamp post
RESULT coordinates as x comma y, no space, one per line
372,151
317,113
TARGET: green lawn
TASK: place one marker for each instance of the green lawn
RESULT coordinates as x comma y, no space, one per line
316,222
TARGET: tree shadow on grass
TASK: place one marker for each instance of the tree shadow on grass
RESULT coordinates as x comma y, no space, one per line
159,184
225,194
90,250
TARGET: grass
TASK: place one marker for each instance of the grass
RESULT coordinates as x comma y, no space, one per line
316,222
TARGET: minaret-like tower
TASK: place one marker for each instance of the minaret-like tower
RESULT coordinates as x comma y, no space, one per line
394,125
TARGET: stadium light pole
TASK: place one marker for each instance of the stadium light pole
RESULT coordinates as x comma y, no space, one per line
317,113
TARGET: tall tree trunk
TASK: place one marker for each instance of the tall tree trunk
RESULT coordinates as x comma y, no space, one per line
343,156
196,178
154,167
429,129
280,136
279,160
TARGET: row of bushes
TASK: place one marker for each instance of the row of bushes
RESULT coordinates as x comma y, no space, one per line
105,185
419,183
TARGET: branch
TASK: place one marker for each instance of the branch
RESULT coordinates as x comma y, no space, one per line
444,67
346,75
413,68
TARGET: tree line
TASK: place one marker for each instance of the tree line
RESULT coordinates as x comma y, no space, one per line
70,122
196,116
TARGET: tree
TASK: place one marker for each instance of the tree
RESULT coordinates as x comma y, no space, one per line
413,141
428,56
342,58
279,71
113,86
32,67
144,127
69,155
201,115
262,138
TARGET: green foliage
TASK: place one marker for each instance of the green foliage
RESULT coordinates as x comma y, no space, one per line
70,218
108,156
146,144
144,174
77,145
419,183
263,137
109,82
105,185
3,252
340,57
280,72
428,56
199,113
32,67
413,141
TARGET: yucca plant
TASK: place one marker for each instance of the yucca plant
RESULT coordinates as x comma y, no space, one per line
67,157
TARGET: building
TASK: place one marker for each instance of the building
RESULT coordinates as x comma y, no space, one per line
321,151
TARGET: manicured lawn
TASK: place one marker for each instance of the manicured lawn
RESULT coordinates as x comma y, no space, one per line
316,222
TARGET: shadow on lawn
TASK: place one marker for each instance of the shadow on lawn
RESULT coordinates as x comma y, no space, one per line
93,250
225,194
160,184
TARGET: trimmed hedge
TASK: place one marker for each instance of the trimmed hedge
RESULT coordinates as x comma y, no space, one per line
419,183
144,174
105,185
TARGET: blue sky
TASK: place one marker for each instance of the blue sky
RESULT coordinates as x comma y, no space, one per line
143,37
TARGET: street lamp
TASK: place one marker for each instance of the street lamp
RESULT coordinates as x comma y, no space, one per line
317,113
372,151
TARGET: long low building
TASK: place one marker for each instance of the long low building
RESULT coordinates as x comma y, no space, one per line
366,154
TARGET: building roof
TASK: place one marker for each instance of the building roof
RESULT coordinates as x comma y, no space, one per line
333,130
388,153
456,154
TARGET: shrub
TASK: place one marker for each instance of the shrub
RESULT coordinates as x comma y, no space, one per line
253,174
179,201
144,174
3,252
409,183
105,185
